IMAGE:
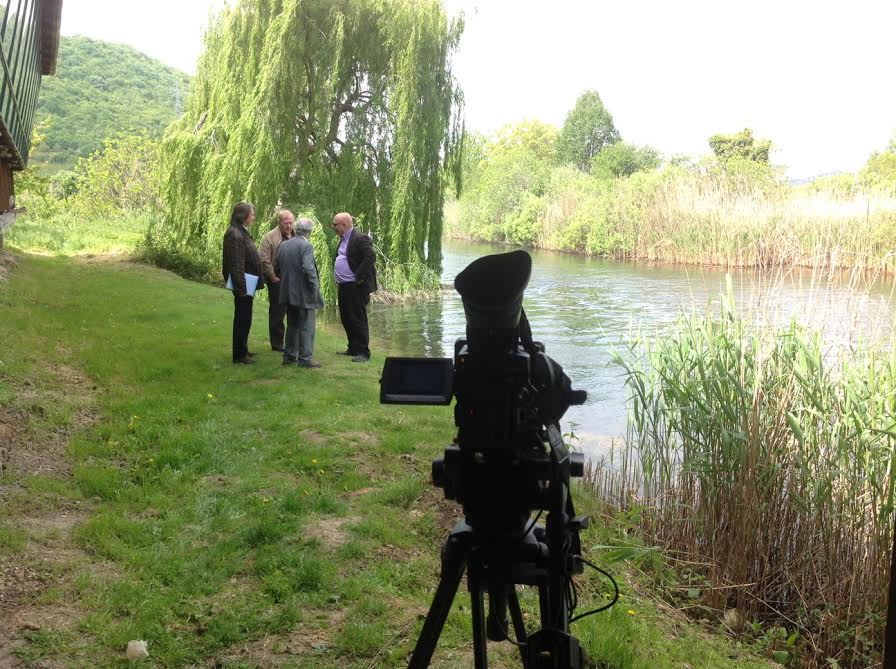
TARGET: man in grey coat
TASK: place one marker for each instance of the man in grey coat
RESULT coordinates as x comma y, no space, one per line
300,292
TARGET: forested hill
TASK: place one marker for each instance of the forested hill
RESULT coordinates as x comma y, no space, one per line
100,89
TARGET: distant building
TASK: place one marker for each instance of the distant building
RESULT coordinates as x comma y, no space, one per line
29,43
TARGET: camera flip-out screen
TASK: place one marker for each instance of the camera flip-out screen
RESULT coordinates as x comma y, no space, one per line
417,381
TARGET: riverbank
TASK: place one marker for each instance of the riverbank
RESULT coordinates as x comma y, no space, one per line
710,214
232,516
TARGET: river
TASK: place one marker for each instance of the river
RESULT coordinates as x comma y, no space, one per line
584,308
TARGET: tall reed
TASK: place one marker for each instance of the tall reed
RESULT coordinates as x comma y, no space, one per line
718,218
767,456
728,215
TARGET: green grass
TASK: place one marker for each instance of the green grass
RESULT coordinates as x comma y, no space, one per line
68,234
226,512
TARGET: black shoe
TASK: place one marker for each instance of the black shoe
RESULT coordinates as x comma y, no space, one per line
345,352
312,364
287,360
244,361
279,349
361,358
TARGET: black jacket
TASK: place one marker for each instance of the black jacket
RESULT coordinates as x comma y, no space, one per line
361,260
240,258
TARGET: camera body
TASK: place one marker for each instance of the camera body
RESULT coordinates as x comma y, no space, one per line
510,397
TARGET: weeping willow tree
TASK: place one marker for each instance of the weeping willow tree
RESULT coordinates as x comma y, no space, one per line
321,105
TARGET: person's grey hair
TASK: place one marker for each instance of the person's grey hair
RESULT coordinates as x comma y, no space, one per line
304,226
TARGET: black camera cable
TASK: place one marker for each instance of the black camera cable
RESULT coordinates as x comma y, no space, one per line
605,606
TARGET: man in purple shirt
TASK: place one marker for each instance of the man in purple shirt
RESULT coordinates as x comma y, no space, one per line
355,271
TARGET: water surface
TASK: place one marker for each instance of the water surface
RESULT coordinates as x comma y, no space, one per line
584,308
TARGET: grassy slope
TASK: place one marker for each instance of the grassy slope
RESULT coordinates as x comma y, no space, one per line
68,234
249,516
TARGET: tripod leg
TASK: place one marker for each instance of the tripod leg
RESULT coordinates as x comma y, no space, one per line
453,561
543,604
480,650
519,627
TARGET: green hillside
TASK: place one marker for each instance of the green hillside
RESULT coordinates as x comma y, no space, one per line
100,89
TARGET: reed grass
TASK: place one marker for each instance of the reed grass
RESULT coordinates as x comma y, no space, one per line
702,218
763,458
731,215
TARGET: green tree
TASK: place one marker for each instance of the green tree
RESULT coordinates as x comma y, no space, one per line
740,145
98,91
34,189
338,106
534,137
880,170
622,160
503,202
587,130
121,177
472,157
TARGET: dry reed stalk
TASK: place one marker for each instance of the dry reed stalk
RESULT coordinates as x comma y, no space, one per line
770,457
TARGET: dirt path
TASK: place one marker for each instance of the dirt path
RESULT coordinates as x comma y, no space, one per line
44,554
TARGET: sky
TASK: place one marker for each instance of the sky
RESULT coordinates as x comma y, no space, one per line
816,78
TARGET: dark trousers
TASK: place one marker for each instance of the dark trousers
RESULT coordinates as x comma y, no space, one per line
353,313
276,313
242,323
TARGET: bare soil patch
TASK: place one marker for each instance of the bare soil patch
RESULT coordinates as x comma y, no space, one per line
30,449
312,437
9,428
312,638
361,438
106,258
7,261
25,576
332,532
360,492
447,512
49,555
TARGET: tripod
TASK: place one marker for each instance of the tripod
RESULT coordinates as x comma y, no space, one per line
497,567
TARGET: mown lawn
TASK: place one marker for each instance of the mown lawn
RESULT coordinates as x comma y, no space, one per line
231,516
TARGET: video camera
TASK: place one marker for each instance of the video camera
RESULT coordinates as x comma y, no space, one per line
508,460
508,393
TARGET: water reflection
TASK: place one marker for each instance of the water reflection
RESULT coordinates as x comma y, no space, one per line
582,308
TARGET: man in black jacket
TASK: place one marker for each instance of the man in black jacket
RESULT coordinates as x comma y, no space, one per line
355,271
241,267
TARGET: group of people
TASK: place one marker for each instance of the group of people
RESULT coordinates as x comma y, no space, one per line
284,263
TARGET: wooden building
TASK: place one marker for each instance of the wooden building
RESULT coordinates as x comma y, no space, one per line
29,43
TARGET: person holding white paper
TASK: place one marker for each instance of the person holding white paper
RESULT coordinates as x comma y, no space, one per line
241,267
